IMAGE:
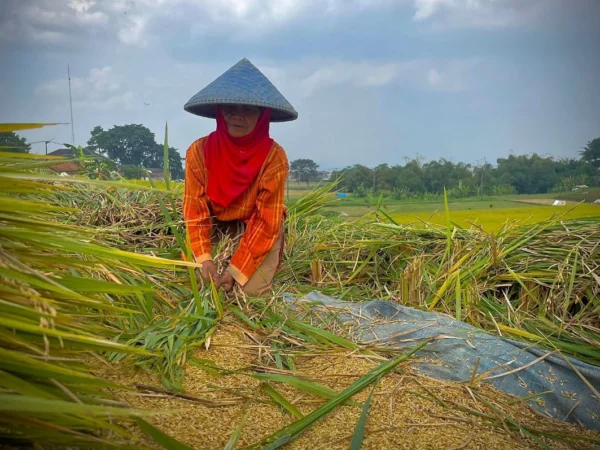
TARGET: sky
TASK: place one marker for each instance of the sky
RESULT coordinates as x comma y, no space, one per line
373,81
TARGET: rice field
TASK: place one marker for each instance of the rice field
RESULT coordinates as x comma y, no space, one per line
494,219
108,339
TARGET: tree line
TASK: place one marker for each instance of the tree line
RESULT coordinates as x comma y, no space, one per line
133,147
515,174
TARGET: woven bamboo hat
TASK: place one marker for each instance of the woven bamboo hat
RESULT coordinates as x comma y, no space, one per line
243,84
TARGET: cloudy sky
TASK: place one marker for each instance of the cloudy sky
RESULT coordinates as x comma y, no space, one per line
374,81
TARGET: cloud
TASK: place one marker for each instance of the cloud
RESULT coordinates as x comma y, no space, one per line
444,76
427,8
500,13
101,89
144,23
134,22
50,22
85,13
134,33
234,19
478,13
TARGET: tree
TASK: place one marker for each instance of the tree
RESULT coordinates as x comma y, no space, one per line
126,144
514,170
304,169
12,142
156,159
384,177
175,164
543,175
437,175
591,153
410,177
355,177
93,140
133,172
410,180
134,145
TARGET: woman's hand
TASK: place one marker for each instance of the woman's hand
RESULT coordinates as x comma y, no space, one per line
226,281
209,271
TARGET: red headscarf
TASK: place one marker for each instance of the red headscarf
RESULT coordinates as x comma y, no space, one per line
234,162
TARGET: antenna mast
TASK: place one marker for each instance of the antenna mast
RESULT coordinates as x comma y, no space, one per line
71,105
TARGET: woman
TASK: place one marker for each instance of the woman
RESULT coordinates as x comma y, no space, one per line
235,179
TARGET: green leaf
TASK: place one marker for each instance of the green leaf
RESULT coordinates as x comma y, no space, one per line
458,296
235,436
90,341
290,432
14,361
81,284
160,437
166,159
303,385
322,335
23,387
24,404
359,431
215,295
277,356
282,401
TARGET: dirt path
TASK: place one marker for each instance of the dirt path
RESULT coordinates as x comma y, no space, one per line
543,201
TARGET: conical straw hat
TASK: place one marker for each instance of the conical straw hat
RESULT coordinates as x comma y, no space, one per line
242,84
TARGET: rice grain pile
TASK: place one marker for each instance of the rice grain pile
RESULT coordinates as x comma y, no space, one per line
408,410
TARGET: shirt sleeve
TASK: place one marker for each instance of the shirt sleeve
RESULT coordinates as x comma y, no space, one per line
196,212
264,227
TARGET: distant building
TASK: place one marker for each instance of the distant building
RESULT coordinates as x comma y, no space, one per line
67,152
155,173
581,186
132,171
71,167
323,175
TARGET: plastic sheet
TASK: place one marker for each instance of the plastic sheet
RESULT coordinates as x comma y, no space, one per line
513,367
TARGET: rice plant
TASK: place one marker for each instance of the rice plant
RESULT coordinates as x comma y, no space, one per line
65,293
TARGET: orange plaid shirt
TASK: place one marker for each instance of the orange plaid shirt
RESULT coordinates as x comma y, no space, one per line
260,207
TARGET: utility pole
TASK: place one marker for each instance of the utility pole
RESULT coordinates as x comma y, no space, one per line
71,105
46,142
482,168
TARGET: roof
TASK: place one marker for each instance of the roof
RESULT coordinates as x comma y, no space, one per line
68,167
242,84
71,153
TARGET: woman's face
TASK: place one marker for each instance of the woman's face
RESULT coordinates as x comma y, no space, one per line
240,119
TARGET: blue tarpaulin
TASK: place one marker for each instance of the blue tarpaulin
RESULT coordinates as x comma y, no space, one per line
513,367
